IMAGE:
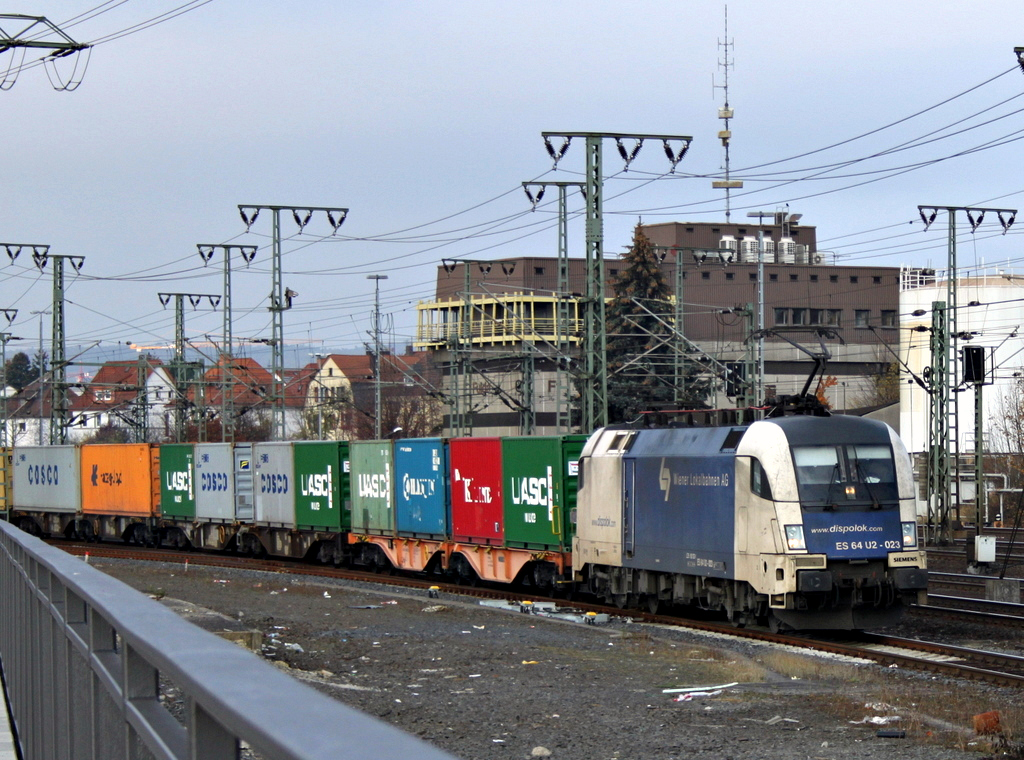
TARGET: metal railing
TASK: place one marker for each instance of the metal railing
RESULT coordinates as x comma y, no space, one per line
83,656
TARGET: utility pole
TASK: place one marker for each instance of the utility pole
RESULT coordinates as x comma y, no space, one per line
227,378
5,456
39,393
178,362
377,364
281,298
5,337
31,32
564,303
58,361
944,446
759,380
594,391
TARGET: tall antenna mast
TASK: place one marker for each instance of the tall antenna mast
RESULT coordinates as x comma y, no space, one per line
725,113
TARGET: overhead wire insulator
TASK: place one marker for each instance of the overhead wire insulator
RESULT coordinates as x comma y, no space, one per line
534,199
165,298
249,220
927,218
336,223
77,262
628,156
12,251
40,259
485,267
975,223
1007,222
10,314
248,253
205,253
674,157
556,155
508,267
303,221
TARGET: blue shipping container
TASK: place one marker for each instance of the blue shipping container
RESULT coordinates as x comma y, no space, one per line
678,498
422,504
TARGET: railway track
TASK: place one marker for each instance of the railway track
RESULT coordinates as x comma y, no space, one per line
944,659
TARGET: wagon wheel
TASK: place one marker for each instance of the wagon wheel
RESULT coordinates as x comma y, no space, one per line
464,573
652,603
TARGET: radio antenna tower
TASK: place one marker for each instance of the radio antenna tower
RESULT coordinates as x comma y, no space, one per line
725,113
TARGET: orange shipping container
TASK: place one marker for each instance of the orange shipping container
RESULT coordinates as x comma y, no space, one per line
121,479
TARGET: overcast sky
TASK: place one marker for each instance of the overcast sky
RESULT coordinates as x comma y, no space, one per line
423,118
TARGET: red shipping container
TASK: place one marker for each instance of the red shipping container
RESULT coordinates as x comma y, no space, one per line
478,508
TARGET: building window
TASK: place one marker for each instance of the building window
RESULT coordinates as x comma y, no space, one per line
730,275
854,279
613,272
833,317
814,278
782,316
753,276
799,316
794,277
817,316
833,278
888,318
684,274
538,270
860,317
705,275
773,277
876,280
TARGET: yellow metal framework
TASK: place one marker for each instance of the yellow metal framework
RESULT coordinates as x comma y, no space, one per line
493,321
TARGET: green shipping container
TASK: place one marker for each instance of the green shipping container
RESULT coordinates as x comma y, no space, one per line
373,505
540,474
177,480
322,499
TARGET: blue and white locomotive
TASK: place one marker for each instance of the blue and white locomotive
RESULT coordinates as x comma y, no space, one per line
803,522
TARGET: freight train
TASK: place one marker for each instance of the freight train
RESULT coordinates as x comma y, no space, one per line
802,522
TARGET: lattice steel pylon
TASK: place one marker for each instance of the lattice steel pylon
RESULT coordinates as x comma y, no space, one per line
594,388
944,446
227,377
280,297
178,362
563,300
58,360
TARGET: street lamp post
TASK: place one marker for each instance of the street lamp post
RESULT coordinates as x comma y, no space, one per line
376,352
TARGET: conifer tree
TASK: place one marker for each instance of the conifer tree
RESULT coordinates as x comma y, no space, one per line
641,367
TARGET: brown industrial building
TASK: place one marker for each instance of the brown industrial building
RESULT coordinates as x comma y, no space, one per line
514,304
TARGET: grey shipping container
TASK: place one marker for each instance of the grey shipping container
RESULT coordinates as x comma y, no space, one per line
274,483
215,478
47,478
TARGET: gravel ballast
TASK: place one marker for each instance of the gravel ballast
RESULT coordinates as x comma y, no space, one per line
484,683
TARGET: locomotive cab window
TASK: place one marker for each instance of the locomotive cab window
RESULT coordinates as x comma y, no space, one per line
844,474
759,485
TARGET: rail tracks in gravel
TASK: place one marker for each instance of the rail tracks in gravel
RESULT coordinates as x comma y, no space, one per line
944,659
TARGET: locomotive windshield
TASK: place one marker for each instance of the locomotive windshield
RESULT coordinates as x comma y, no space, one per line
836,475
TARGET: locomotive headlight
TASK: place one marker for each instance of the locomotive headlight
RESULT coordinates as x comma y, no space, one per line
795,537
909,535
